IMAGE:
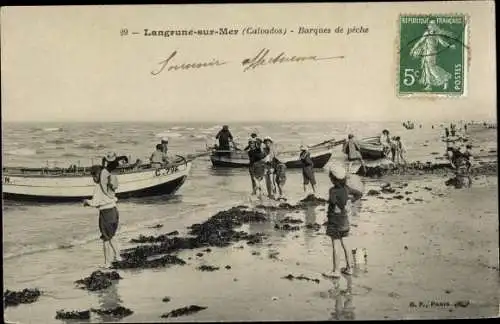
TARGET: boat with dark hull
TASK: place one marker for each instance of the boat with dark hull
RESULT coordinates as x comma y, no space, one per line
76,184
371,148
320,155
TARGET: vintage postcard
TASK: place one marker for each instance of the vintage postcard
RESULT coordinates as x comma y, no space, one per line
249,162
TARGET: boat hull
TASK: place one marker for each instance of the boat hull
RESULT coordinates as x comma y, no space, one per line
143,183
239,160
371,153
371,149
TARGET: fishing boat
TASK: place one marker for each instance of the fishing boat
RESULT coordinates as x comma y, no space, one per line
76,183
371,148
320,155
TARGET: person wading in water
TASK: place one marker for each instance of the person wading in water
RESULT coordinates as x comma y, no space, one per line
272,161
256,165
104,198
307,169
351,148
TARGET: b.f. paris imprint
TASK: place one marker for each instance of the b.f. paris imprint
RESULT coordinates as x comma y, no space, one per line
263,58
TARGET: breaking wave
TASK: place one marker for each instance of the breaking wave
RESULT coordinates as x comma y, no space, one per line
22,152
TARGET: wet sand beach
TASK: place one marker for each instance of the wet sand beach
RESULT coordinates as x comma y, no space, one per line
432,252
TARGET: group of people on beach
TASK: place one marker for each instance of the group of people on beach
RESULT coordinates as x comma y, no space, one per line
265,164
393,147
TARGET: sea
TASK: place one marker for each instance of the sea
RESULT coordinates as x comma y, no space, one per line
40,239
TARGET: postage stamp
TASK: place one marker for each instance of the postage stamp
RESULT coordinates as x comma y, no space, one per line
433,53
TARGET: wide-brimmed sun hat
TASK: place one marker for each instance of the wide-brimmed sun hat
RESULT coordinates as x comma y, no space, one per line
110,157
337,171
303,148
350,136
164,139
268,139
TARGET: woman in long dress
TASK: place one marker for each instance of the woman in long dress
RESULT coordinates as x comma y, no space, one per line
426,48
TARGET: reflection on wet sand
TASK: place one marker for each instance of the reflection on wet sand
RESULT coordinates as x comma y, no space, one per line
109,299
311,216
268,226
344,304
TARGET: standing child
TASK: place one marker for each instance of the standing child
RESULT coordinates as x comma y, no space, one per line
104,199
307,168
338,221
400,151
280,178
352,149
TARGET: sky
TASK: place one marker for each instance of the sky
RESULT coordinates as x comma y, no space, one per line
70,63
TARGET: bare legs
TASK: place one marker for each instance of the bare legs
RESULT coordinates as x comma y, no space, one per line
114,251
349,167
254,183
335,269
104,250
348,268
335,261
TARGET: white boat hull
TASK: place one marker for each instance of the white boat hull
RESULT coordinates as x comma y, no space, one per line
140,183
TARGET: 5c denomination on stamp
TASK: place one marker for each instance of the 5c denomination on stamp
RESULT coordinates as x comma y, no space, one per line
433,55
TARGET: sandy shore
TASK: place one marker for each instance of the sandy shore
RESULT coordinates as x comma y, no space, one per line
432,252
443,249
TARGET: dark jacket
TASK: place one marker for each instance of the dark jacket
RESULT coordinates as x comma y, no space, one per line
337,214
255,155
305,158
224,137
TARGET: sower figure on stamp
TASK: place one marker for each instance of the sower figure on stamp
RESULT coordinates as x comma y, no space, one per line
426,49
104,199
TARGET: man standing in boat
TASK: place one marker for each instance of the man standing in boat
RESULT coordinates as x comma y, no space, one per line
164,149
156,158
225,138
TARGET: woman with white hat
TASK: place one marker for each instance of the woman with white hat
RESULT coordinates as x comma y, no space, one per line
338,221
104,199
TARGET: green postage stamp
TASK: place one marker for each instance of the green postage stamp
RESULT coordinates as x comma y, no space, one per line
433,55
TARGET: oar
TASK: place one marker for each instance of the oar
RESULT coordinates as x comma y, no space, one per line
322,143
197,155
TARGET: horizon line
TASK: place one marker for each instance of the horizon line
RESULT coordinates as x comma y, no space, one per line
252,121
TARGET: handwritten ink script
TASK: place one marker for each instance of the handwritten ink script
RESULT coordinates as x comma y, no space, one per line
263,58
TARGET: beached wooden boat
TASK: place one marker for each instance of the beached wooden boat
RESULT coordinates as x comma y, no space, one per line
320,155
76,184
371,149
